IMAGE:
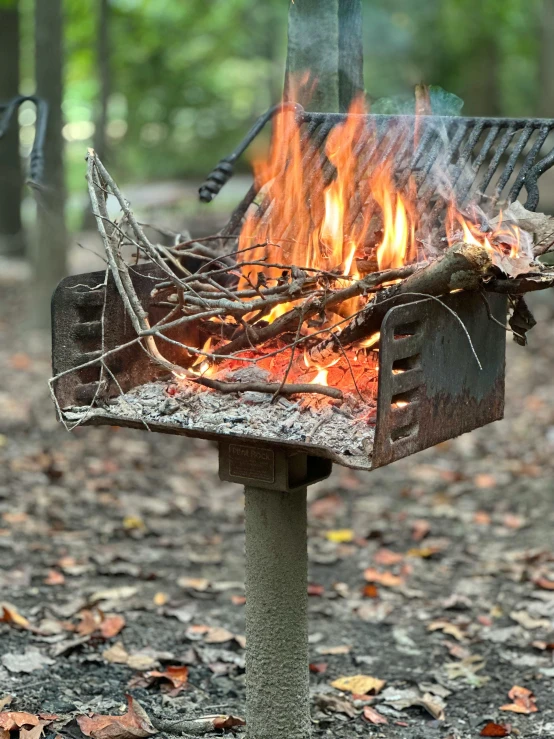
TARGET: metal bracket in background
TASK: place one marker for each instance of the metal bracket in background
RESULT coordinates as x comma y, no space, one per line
223,171
270,467
7,114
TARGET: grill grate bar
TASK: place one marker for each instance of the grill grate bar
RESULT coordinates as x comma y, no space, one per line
528,163
509,168
493,166
425,197
471,176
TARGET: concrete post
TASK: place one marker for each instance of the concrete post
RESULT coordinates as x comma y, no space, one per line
277,672
325,40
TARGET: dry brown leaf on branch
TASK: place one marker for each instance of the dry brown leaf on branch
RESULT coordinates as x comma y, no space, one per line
134,724
523,701
359,684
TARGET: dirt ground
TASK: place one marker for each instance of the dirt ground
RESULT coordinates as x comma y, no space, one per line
121,554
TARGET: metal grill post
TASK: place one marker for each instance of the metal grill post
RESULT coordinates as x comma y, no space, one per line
277,671
277,676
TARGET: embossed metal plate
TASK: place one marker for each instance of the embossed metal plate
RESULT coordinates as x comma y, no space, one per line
255,463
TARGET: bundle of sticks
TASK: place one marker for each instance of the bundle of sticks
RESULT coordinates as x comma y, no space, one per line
314,321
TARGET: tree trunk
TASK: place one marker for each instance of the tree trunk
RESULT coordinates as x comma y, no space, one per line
11,181
50,249
100,142
325,42
546,70
103,61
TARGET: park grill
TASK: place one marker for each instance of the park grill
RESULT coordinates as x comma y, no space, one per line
430,382
393,368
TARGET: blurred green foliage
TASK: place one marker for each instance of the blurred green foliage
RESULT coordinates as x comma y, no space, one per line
190,76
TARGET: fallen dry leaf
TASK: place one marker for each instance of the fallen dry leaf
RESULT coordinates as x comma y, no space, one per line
54,577
318,668
200,584
401,699
218,635
544,583
387,557
117,654
370,591
359,684
341,649
315,591
543,646
340,536
420,529
10,615
10,720
373,716
172,680
35,733
5,701
492,729
523,701
134,724
89,621
111,626
386,579
29,661
468,669
447,628
528,622
333,704
228,722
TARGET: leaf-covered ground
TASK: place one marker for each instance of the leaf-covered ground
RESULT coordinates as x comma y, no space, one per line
121,559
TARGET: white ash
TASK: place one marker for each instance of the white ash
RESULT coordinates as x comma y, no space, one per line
314,420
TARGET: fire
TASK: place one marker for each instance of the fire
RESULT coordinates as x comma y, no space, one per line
507,239
329,215
398,245
322,372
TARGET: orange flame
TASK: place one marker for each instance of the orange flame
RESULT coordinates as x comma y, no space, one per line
325,214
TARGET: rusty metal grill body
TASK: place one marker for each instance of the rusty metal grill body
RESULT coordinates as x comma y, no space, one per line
445,392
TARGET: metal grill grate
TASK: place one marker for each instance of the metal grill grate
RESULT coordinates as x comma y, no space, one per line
468,160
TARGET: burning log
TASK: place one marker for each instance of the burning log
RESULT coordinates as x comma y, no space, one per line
463,267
